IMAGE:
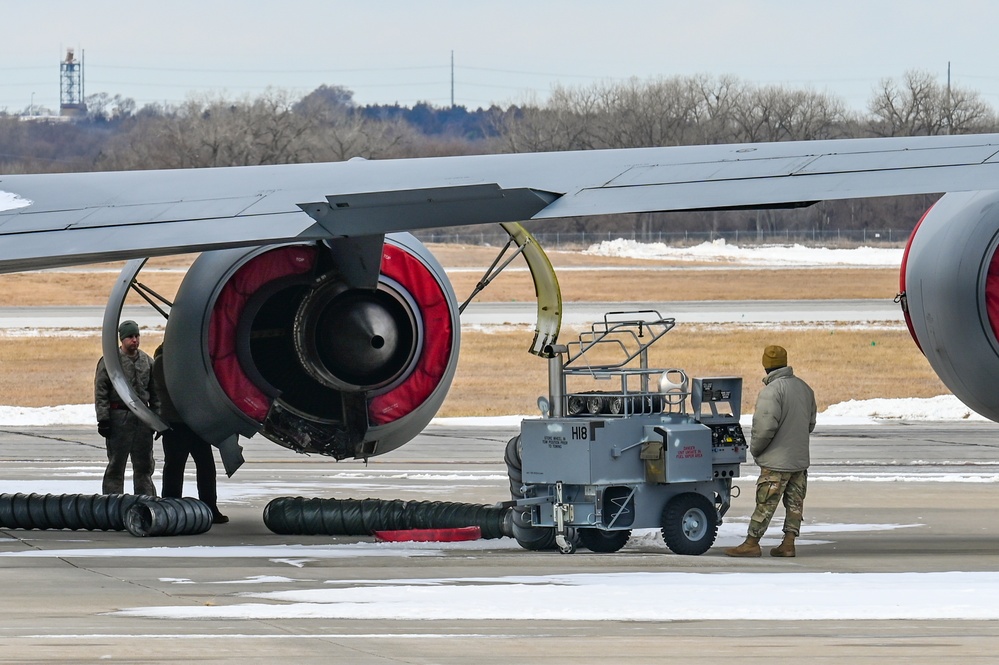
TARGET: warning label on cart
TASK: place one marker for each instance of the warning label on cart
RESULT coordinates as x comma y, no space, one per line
689,452
554,441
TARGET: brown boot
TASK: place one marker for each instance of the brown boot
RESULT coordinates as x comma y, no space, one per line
749,548
786,548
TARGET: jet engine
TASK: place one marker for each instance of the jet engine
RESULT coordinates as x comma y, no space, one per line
344,348
950,291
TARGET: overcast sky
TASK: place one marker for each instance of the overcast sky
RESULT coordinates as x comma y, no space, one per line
394,51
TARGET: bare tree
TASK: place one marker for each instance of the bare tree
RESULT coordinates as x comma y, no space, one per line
907,108
565,122
920,106
774,113
214,132
337,131
718,100
658,113
346,134
968,113
103,107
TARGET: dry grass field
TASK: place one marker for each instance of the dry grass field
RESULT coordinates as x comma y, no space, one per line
840,365
618,279
496,374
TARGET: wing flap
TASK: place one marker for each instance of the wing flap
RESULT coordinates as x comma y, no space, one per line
656,174
171,212
76,246
901,159
770,191
749,168
125,214
55,220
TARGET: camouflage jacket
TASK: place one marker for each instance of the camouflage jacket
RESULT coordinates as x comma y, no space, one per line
138,372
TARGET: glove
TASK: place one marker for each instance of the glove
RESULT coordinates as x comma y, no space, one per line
104,428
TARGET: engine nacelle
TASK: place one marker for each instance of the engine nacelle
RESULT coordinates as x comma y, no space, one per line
284,341
950,278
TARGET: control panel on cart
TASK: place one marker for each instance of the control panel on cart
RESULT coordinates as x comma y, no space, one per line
624,445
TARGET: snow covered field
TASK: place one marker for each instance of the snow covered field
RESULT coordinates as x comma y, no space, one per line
787,256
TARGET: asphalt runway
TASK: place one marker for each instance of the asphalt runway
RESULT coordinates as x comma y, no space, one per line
883,499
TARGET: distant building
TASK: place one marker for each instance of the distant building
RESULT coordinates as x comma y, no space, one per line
71,87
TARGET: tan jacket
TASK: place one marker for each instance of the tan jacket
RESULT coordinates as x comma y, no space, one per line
784,417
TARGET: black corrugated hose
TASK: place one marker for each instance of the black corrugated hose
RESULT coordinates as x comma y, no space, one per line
153,516
105,512
362,517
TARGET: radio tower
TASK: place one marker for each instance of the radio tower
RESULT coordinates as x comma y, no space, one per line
71,86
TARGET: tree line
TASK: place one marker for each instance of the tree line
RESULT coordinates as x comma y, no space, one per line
328,125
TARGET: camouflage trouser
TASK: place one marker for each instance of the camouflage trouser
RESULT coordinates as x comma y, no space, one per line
770,487
130,438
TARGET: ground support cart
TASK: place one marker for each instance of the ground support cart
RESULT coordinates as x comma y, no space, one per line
600,463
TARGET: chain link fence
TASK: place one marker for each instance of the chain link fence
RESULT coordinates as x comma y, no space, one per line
580,240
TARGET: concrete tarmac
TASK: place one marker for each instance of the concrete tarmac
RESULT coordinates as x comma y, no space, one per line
64,592
482,313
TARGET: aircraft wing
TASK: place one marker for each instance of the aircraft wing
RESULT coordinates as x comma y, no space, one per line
49,220
348,348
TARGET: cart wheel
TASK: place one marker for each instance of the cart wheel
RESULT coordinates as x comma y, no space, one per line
598,540
690,524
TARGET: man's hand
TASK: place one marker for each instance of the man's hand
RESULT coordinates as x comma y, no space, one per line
104,428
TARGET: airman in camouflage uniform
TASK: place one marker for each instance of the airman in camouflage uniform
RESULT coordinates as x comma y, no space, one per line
783,419
125,434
